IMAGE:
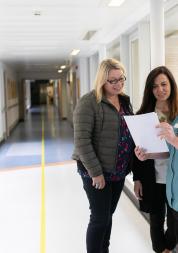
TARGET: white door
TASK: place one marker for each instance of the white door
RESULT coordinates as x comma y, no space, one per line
2,106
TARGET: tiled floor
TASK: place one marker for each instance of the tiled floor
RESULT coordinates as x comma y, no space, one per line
23,147
66,214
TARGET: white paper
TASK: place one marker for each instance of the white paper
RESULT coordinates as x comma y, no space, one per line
144,132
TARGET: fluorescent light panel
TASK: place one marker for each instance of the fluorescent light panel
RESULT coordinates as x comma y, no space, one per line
63,66
75,51
117,3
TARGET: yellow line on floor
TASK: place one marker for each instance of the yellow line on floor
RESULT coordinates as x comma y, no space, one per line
43,209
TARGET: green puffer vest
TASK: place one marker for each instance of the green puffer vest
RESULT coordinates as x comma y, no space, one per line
96,133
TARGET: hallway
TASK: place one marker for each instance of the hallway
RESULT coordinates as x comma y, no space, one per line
49,53
23,147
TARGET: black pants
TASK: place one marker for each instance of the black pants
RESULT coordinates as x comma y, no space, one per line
102,206
162,239
175,217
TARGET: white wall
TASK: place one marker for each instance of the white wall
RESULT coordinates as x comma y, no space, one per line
83,75
93,66
171,53
124,58
144,55
114,51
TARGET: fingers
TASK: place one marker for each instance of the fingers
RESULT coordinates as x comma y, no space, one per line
138,195
138,190
139,150
166,132
140,153
98,182
99,185
162,124
162,136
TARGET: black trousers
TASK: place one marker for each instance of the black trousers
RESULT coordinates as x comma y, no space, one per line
162,239
175,220
102,206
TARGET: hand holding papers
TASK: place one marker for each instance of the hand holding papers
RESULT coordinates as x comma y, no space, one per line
144,133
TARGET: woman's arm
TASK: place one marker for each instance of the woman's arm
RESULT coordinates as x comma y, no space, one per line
84,123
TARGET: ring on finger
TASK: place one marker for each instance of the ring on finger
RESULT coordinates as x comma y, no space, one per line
97,186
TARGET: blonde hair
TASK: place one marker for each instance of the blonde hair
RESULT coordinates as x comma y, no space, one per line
102,75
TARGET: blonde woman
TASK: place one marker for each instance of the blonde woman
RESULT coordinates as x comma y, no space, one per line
103,149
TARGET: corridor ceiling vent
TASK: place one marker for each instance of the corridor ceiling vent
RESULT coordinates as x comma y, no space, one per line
75,51
115,3
89,35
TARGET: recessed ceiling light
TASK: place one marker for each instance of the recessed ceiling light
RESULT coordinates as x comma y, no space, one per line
114,3
75,51
63,66
59,71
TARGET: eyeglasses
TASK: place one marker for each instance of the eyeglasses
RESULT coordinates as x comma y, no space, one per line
115,81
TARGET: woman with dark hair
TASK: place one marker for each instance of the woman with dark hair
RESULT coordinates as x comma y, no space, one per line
103,149
160,95
150,100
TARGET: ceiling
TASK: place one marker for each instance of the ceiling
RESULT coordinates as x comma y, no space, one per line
45,41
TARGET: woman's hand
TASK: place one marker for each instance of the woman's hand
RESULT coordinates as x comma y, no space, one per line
166,132
140,153
98,182
138,189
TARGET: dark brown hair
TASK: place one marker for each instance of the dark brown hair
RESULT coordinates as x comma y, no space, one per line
149,100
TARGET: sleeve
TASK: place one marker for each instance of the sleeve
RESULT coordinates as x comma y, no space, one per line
84,123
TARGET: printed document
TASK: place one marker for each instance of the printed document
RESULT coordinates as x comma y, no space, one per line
144,132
